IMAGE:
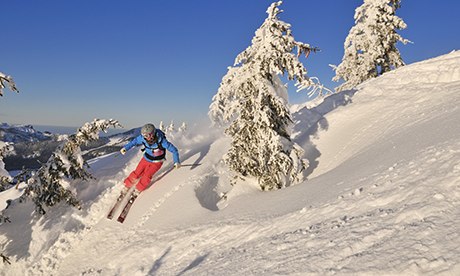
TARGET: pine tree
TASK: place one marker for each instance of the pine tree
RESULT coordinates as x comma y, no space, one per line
5,177
162,126
183,127
370,47
5,182
171,128
51,183
252,101
6,80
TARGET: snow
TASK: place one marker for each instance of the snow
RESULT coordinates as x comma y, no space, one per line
382,197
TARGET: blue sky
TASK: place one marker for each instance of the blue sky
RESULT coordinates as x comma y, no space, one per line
149,61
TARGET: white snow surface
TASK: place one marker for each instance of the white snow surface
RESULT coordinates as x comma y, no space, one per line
382,197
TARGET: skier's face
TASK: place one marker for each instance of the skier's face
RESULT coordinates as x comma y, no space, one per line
149,137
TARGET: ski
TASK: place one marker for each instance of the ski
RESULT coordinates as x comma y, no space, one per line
124,213
120,198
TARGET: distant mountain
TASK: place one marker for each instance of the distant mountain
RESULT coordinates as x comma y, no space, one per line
22,133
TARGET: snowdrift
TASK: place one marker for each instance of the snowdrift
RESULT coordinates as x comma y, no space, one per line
382,195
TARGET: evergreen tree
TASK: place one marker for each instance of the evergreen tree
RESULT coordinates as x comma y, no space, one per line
162,127
183,127
252,102
5,177
5,81
171,128
5,148
51,183
370,47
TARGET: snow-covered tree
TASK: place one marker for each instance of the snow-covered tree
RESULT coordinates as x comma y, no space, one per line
162,126
252,103
370,47
171,128
51,183
5,182
5,81
183,127
5,148
5,177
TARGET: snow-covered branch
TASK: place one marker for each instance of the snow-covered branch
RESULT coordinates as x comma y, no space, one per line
7,81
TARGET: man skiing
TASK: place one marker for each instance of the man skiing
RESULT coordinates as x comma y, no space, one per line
155,146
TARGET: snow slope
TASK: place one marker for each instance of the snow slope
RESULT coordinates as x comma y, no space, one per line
382,196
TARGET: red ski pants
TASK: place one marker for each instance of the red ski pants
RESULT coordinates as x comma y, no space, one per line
145,171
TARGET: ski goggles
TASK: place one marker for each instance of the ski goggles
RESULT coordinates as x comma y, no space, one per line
149,136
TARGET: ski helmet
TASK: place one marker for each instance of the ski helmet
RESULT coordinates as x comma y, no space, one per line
148,129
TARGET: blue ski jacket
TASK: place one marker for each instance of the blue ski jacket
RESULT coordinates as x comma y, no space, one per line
155,152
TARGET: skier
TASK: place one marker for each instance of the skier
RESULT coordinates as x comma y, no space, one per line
155,146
